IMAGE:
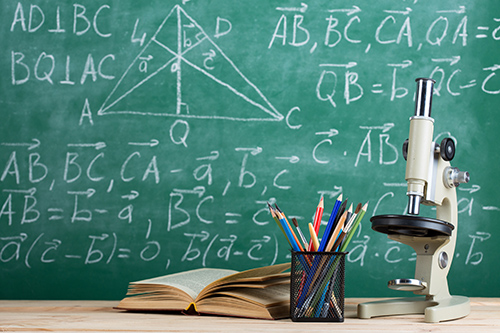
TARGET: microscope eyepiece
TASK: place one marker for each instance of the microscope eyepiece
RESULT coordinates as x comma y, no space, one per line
423,99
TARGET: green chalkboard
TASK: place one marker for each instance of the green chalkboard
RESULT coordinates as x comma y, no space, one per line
139,139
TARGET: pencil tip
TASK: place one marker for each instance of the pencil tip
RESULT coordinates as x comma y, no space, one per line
273,213
358,208
276,205
340,197
295,223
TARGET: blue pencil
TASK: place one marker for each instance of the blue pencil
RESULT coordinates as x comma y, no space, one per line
329,226
288,232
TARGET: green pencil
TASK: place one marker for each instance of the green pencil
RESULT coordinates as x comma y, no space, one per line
354,227
275,217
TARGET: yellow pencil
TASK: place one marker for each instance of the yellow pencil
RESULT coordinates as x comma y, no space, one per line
314,238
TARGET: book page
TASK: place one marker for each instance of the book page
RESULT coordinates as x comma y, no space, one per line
256,274
254,284
253,303
267,297
191,282
153,302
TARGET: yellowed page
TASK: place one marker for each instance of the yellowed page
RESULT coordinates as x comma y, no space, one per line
256,274
269,303
191,282
255,284
153,302
266,297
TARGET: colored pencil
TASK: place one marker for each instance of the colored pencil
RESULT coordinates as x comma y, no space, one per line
349,213
329,226
273,214
319,215
314,238
289,227
317,219
319,263
275,218
336,232
341,211
353,218
354,227
346,228
288,231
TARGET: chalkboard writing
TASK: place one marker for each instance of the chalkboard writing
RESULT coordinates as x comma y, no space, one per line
141,139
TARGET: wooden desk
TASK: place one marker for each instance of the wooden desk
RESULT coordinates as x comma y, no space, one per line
71,316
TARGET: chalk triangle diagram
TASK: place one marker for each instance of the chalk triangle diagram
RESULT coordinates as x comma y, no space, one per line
181,72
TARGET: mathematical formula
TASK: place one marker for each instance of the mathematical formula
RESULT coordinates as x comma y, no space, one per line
184,207
291,30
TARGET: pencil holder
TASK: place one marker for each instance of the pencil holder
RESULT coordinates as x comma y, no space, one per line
317,286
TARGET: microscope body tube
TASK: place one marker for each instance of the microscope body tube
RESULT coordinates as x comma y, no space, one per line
417,163
420,148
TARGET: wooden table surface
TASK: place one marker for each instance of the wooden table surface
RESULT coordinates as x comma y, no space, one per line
99,316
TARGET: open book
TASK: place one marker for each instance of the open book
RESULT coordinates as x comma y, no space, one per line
256,293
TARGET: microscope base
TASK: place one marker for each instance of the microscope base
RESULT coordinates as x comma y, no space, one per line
454,307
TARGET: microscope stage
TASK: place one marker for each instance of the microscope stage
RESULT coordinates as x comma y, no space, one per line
409,225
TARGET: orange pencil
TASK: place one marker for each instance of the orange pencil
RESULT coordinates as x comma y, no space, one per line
347,226
282,215
276,219
336,232
317,220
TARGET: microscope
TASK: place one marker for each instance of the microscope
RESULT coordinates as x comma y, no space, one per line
431,181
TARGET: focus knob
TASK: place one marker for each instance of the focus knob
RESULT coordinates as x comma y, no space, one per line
452,177
405,149
447,149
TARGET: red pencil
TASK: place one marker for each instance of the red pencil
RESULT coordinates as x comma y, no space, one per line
317,220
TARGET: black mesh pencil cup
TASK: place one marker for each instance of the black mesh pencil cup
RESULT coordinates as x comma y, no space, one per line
317,286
